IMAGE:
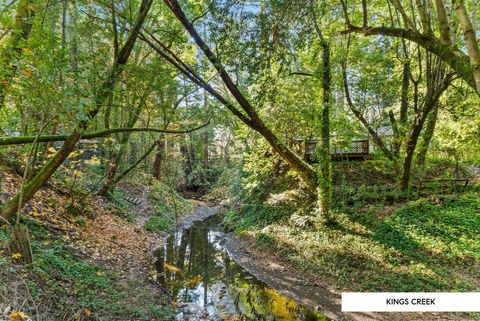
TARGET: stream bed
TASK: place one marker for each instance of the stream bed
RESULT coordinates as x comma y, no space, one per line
205,283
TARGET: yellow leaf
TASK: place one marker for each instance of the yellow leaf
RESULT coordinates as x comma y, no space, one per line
87,312
16,256
51,152
73,154
94,161
27,72
18,316
34,213
172,268
27,51
77,173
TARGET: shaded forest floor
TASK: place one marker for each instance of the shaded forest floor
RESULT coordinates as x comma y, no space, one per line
89,264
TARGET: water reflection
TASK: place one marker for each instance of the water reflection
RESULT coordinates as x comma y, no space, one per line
206,284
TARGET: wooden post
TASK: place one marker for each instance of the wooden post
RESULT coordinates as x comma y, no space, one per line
20,243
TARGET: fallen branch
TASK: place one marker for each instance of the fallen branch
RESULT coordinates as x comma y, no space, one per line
90,135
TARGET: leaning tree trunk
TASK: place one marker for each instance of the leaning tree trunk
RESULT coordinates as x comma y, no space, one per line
249,115
470,37
116,157
133,166
430,102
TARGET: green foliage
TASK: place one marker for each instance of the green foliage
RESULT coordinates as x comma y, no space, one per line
158,224
445,229
168,202
420,247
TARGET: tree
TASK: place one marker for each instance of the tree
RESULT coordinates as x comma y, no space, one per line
419,26
433,79
29,189
248,115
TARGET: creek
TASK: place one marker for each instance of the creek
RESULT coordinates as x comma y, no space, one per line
205,283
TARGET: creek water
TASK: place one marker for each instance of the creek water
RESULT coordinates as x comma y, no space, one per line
205,283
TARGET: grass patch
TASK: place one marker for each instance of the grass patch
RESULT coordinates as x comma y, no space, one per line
158,224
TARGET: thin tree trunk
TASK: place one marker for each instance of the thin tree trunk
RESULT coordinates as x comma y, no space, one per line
205,150
430,101
324,173
159,158
427,136
133,166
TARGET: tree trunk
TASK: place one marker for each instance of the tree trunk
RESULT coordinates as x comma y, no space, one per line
43,175
205,150
249,115
469,35
427,136
324,173
116,157
133,166
430,101
187,161
21,32
159,158
399,133
20,243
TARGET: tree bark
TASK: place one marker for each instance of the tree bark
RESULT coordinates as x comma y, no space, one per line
470,37
205,150
427,136
430,101
21,31
325,172
133,166
456,59
159,158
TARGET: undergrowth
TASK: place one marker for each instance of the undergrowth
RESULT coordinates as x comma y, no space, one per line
61,284
420,247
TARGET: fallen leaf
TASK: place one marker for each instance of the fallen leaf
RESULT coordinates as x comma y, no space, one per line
172,268
18,316
16,256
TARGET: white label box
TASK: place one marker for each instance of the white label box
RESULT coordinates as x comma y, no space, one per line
411,301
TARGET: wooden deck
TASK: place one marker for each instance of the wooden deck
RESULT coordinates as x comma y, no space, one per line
357,150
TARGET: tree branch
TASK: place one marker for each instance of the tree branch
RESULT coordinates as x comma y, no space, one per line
96,134
456,59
